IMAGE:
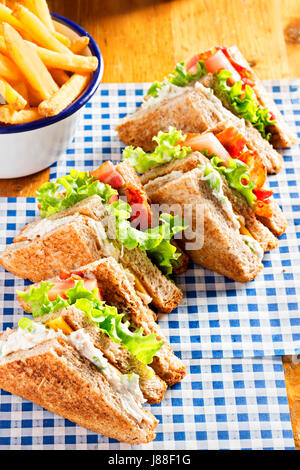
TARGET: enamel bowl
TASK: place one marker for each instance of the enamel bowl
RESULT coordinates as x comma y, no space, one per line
34,146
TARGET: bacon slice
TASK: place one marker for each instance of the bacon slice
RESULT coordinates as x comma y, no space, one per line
141,212
258,172
232,140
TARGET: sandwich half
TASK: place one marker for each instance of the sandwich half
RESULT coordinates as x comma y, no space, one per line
68,375
213,86
219,174
114,286
89,221
93,354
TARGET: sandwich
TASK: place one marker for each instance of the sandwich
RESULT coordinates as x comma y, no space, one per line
88,221
93,353
219,173
214,86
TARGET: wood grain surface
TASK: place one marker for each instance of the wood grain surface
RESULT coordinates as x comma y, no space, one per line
141,40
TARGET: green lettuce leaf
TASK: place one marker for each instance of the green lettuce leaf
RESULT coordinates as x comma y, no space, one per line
77,186
243,103
238,177
26,324
39,301
104,316
155,241
111,323
213,178
180,77
166,150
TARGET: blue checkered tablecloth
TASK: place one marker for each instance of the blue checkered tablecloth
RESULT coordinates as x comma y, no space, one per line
232,398
221,404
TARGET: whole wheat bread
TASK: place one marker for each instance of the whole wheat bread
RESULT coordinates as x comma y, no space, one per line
55,376
223,249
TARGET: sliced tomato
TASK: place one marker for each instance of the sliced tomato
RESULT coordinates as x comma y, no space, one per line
272,116
107,173
232,140
191,65
262,194
140,209
61,286
113,198
258,172
215,60
200,142
218,62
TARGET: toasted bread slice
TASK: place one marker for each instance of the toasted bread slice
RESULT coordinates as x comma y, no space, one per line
191,109
68,243
55,376
75,237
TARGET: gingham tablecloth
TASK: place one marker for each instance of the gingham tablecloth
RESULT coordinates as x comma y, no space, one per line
227,404
231,398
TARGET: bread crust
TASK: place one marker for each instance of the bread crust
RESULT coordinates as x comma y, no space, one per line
68,246
54,376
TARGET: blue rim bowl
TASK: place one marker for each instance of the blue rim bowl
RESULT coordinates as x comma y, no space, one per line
84,97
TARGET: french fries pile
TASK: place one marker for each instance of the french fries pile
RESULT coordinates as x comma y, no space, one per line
41,70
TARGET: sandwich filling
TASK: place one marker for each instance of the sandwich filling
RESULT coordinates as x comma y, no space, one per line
228,153
120,218
233,84
30,333
85,295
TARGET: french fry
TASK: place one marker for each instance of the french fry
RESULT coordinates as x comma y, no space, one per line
9,116
3,48
8,70
7,17
78,45
35,28
67,62
29,63
40,9
64,96
11,95
33,96
63,39
22,89
59,76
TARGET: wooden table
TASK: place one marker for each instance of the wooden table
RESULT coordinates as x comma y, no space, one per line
142,39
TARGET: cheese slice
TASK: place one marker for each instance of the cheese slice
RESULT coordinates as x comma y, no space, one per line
59,324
